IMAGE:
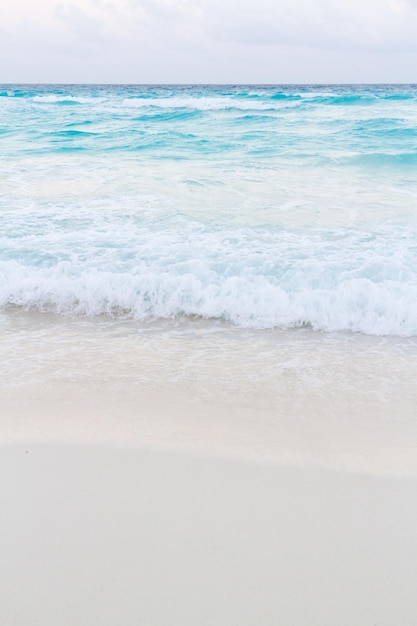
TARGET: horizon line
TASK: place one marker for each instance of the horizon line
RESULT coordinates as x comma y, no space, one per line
204,84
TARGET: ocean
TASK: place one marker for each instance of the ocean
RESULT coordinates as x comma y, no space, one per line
251,245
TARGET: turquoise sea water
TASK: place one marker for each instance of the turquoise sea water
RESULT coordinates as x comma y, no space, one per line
265,206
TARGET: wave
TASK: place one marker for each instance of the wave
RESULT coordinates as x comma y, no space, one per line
354,305
70,133
369,286
65,99
379,159
203,103
268,102
167,116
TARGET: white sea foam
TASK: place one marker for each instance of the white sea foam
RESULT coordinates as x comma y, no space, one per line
205,103
356,306
329,281
60,99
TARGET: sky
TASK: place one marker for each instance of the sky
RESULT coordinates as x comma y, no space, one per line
208,41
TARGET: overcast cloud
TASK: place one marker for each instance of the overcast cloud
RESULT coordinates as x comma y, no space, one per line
185,41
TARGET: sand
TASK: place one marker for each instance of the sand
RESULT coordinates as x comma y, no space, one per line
149,483
106,536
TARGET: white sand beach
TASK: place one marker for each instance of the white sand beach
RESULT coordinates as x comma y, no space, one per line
146,487
95,535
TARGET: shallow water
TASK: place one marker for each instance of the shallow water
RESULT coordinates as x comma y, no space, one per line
335,400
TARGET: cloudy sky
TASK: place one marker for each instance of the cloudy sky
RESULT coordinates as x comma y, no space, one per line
208,41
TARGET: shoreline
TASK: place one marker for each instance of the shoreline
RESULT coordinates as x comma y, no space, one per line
205,477
289,398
